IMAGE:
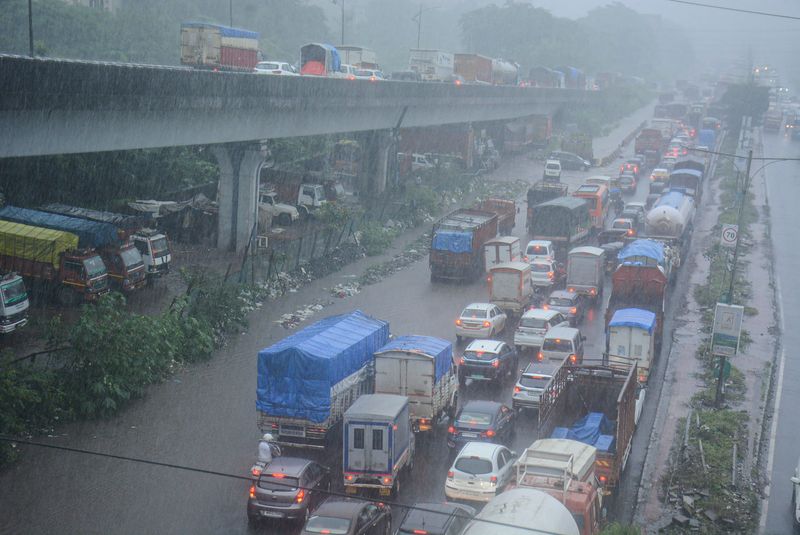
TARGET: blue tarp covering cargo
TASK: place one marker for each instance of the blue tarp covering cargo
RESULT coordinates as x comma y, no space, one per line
123,221
295,375
224,31
440,350
708,138
634,317
453,241
90,233
592,429
651,249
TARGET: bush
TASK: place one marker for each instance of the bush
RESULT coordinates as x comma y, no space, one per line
375,238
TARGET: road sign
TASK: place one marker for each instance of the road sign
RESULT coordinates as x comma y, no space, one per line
730,233
727,328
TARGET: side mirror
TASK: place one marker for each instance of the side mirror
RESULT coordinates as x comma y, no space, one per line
795,480
583,338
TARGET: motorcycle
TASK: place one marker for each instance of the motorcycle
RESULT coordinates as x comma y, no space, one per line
275,451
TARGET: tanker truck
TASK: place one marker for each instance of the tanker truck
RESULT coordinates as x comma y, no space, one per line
522,511
670,220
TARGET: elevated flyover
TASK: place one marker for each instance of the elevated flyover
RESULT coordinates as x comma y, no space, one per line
50,106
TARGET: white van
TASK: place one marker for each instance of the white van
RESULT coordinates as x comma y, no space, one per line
552,170
562,342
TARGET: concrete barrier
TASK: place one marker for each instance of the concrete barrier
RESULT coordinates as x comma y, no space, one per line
602,162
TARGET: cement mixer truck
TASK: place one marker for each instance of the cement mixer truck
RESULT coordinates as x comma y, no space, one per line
670,221
522,511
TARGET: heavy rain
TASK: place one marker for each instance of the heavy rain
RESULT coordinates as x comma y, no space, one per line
399,267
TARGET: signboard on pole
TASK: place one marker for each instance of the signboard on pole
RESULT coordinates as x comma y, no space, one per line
727,329
730,233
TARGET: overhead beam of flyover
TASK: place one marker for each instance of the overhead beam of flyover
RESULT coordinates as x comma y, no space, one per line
52,106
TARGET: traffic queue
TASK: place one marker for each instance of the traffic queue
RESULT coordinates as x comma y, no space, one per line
347,382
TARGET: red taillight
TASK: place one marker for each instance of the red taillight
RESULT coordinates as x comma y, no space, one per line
539,356
550,275
545,307
517,390
252,491
373,79
351,77
493,479
458,322
450,474
487,324
387,480
631,232
495,363
278,476
256,471
573,310
603,479
572,290
573,358
348,477
458,82
301,494
489,278
593,291
421,531
490,433
461,360
451,430
525,258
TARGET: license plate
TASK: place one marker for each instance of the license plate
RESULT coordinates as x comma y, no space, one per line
271,514
293,431
477,376
469,435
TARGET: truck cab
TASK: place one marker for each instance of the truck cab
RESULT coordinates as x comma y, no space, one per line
83,271
126,268
284,213
13,303
311,195
155,250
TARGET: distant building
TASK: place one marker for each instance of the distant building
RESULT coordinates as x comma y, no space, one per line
108,5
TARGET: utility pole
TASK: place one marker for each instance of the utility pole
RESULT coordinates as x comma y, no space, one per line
419,24
342,23
230,11
739,216
30,27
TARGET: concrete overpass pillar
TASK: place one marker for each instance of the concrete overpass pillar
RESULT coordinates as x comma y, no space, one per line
380,161
237,194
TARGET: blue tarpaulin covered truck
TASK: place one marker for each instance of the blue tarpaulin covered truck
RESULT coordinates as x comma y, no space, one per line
457,244
308,380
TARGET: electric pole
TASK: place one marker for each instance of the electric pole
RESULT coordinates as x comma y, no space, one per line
30,27
230,11
419,24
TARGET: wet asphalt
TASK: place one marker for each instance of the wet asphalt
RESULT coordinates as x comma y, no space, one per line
205,417
783,192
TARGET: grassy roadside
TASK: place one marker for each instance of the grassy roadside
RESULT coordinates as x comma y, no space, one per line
700,481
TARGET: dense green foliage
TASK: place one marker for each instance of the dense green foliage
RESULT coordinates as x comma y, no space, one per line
97,180
148,31
110,355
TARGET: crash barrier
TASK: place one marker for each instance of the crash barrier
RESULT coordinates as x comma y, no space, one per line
602,162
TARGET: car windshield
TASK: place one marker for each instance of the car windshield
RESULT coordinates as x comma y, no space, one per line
590,201
473,313
534,381
532,323
328,525
94,266
557,344
559,302
269,66
479,355
160,247
537,250
279,482
540,268
131,257
474,418
553,167
14,292
364,73
474,465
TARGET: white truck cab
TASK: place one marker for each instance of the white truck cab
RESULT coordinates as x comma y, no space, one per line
796,494
155,251
311,195
13,303
284,213
552,170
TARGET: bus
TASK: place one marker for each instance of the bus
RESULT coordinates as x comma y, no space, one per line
598,199
565,221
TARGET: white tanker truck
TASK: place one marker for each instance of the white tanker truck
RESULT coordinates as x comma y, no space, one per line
670,217
523,511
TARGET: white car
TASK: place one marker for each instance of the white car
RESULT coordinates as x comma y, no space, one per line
370,74
480,320
480,471
539,250
276,67
543,273
533,326
552,170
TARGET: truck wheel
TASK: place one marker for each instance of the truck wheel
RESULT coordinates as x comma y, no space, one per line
67,297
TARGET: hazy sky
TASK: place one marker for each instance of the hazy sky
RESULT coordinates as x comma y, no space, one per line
718,36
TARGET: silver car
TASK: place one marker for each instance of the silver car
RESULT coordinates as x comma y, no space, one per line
531,384
533,326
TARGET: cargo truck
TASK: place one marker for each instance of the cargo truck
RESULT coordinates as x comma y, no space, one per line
639,286
511,287
319,59
457,244
308,380
378,444
594,403
217,47
586,271
565,469
499,250
474,68
359,57
522,511
707,138
649,139
152,244
543,191
51,261
432,65
124,263
631,335
421,368
14,303
506,211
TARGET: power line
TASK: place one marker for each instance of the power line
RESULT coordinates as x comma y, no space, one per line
249,479
747,11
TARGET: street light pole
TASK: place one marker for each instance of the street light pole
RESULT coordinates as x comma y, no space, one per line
419,24
30,27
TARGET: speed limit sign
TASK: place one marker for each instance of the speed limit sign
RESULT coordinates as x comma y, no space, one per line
730,233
